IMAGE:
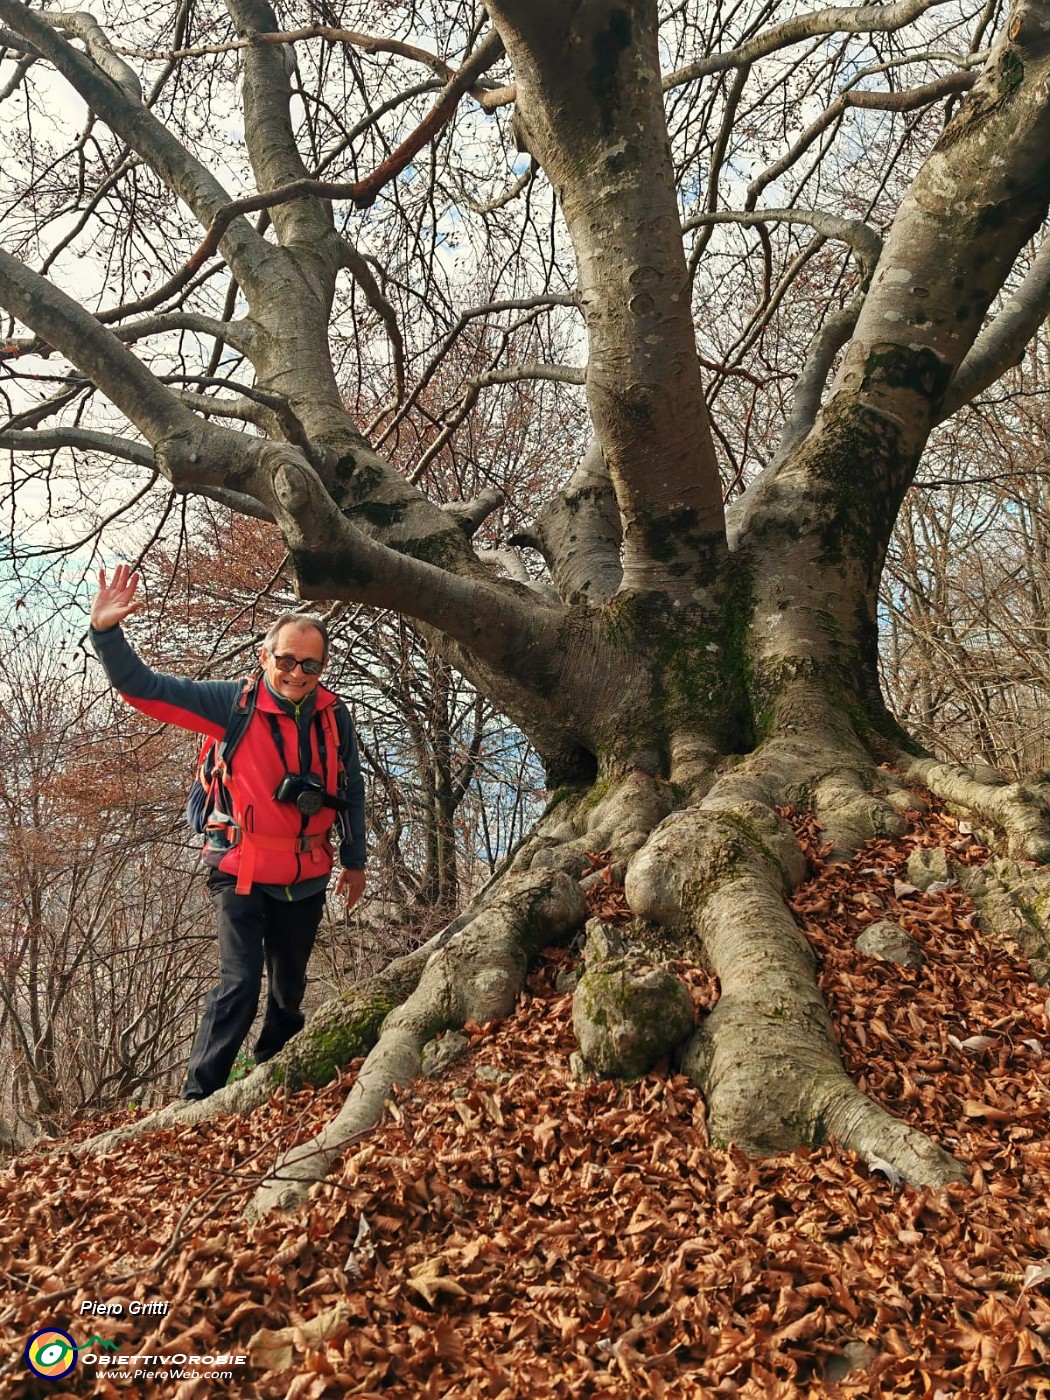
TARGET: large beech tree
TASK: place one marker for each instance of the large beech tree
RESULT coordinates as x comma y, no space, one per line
683,669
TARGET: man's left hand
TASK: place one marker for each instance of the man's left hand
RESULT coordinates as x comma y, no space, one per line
351,885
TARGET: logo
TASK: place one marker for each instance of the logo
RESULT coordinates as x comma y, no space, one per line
51,1353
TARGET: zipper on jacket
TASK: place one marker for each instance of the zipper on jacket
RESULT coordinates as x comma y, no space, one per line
296,716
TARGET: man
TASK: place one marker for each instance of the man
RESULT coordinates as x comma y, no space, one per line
270,812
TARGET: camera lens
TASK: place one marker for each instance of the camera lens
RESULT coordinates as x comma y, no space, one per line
310,802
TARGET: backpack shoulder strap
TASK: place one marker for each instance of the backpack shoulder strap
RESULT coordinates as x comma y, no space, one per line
331,729
207,793
344,725
341,713
240,713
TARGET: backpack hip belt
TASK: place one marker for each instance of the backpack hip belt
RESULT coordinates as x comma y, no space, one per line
250,845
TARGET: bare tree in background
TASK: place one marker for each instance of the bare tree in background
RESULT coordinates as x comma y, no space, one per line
244,277
966,649
99,928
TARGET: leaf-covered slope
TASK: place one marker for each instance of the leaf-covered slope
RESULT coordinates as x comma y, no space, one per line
507,1232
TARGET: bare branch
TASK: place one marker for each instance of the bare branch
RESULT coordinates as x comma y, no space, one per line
80,439
861,237
826,343
513,374
909,101
362,274
764,313
84,26
235,333
240,410
19,347
844,19
333,559
513,566
12,85
40,412
1002,343
471,515
183,279
237,501
281,413
718,155
191,453
509,194
951,246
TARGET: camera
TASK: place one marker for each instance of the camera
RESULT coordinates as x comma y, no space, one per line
306,790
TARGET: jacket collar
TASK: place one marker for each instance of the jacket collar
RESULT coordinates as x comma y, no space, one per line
265,699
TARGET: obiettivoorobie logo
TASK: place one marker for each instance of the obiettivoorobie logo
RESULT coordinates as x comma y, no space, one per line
51,1353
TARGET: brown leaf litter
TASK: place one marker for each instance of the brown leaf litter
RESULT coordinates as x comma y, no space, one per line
508,1232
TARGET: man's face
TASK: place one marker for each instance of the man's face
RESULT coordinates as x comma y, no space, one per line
302,644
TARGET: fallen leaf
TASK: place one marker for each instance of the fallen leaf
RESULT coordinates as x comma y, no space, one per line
430,1283
274,1350
973,1108
972,1043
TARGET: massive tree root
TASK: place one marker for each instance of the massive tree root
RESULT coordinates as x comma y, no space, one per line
765,1058
1020,811
476,976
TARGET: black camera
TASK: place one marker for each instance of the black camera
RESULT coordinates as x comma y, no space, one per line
306,790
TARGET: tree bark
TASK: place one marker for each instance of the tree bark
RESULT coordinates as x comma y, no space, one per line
593,117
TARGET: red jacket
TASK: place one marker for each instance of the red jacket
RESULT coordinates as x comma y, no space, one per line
277,845
280,849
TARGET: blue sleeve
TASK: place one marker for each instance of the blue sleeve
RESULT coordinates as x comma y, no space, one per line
352,852
201,706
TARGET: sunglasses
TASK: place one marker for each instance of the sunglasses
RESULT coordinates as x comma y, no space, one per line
311,666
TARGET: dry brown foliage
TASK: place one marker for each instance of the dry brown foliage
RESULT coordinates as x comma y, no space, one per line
529,1236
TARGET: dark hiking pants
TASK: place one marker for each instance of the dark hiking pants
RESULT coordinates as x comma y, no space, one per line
255,931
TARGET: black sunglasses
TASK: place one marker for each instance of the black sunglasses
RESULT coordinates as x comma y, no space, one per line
311,666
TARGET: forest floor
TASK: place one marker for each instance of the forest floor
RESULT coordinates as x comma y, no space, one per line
507,1232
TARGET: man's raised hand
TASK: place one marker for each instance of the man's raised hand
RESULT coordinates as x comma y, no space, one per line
115,601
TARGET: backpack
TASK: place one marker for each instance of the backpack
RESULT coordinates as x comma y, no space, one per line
207,792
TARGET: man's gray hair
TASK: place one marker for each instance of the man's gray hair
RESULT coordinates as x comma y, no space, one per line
294,619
